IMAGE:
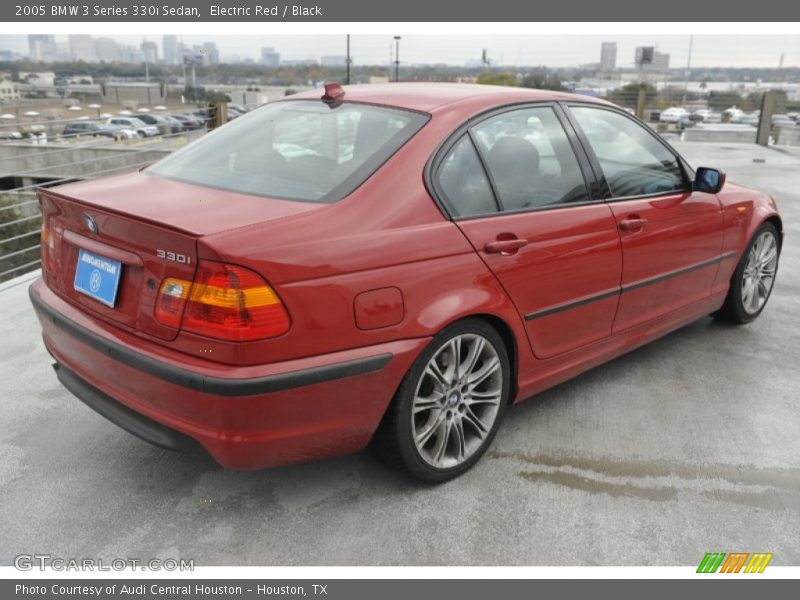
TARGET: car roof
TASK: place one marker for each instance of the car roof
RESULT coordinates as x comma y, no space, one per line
430,97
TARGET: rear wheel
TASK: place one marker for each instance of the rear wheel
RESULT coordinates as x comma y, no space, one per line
450,404
753,279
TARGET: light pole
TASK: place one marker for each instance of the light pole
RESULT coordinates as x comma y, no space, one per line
397,39
688,71
347,62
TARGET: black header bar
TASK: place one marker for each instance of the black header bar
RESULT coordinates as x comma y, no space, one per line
405,11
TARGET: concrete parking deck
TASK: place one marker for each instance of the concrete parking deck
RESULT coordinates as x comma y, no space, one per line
687,446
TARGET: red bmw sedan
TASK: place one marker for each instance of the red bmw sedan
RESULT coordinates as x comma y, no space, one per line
385,266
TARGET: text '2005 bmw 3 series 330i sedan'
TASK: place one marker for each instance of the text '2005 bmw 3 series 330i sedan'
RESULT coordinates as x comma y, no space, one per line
386,266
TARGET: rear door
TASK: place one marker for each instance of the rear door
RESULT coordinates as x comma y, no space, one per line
516,187
671,235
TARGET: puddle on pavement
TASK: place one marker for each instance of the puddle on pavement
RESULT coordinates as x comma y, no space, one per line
769,488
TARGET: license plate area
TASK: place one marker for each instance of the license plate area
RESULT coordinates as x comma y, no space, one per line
98,277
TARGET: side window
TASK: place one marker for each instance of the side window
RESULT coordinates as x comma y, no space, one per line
464,183
633,161
530,158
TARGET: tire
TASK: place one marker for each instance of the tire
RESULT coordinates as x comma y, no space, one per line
441,421
754,278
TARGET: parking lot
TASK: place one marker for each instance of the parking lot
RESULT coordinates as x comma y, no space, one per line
686,446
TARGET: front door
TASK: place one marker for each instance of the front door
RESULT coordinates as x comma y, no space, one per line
671,236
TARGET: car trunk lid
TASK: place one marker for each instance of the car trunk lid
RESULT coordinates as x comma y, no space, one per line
151,226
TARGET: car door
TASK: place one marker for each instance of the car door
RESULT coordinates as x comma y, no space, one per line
517,189
671,235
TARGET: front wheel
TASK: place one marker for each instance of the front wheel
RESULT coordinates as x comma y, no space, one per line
449,405
753,279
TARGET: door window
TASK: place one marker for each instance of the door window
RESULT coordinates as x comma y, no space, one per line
530,159
634,162
463,181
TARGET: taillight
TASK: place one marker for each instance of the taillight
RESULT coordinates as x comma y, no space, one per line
47,246
224,302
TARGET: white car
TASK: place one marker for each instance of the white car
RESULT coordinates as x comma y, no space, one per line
673,115
137,125
750,119
734,114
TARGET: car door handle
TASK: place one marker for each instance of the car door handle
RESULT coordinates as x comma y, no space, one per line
632,224
505,247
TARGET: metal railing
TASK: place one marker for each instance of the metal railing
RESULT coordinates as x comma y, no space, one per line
20,218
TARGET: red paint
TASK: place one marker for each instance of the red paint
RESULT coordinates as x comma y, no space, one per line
380,271
674,232
379,308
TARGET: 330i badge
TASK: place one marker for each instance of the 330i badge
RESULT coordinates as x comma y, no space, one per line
387,265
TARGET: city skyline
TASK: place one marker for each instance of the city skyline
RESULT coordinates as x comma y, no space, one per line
511,50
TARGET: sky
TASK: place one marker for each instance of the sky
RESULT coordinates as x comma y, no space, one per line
549,50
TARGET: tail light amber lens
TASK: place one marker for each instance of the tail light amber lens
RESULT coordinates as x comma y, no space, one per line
224,302
47,246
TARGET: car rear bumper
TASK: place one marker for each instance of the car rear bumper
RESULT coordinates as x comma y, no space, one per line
244,417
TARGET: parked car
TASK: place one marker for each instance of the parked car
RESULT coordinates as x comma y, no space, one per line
8,134
240,108
176,125
750,119
203,115
92,129
245,300
164,126
782,121
673,115
125,131
733,114
142,128
190,122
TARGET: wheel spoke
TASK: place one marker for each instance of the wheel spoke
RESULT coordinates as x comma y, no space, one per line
476,397
428,403
441,441
769,257
478,425
474,354
438,376
478,377
753,299
460,439
423,438
455,351
762,288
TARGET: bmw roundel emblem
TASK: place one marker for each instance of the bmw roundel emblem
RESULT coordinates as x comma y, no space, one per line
95,280
90,224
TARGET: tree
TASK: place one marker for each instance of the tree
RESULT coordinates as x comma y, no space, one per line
628,95
508,79
542,81
201,94
722,100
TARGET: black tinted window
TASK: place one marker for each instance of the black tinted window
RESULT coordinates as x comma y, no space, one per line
464,183
634,162
530,158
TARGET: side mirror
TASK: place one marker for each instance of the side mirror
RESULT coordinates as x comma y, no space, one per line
709,180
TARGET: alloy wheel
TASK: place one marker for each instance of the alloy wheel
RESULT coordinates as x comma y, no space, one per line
759,272
457,400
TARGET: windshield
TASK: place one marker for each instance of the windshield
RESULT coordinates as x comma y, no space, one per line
295,150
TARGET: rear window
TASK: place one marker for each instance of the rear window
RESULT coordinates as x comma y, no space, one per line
295,150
